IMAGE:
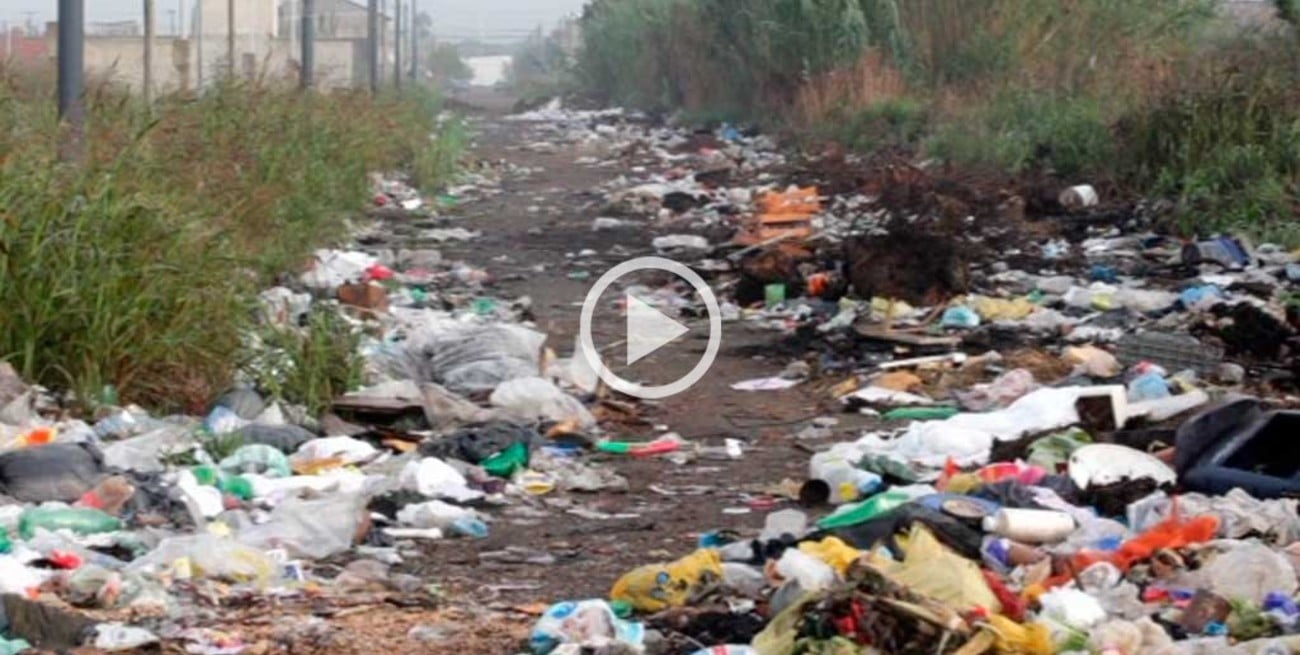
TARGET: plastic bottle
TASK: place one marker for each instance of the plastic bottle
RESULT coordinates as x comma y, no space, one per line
445,517
1030,525
730,649
846,481
5,544
81,520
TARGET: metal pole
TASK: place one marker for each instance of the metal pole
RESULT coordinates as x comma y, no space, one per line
72,60
372,45
308,43
230,35
415,41
397,46
198,38
148,52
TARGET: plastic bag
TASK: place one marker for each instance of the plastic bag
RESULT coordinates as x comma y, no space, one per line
533,398
346,449
210,556
55,472
257,458
81,520
434,478
284,438
312,529
466,357
931,569
809,572
143,454
334,268
657,587
587,623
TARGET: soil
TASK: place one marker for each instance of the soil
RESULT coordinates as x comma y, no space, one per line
538,552
667,505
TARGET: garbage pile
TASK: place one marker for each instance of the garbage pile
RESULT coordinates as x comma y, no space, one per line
1080,435
115,528
1076,442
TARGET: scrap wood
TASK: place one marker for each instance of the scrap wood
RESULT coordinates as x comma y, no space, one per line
903,336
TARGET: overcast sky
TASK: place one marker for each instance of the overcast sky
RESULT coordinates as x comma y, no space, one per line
495,19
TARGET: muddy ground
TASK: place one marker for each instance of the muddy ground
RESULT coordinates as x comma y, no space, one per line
667,505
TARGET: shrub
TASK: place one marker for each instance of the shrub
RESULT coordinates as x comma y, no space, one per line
137,267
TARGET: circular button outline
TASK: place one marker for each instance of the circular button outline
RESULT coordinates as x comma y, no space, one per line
588,344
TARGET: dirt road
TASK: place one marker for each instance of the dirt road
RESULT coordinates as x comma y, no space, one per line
539,552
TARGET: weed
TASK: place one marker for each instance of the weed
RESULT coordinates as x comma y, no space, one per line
138,267
310,365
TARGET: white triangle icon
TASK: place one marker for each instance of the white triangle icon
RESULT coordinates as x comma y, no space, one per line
648,329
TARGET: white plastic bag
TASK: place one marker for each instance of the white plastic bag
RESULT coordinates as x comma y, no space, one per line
312,529
533,398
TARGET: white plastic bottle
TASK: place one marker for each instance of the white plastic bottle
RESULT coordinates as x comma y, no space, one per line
846,481
1034,526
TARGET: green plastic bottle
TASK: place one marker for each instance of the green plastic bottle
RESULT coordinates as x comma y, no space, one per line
81,520
921,413
5,545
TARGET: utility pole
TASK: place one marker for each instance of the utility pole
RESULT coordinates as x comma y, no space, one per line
148,52
397,46
198,38
180,15
72,60
308,44
372,29
415,42
230,35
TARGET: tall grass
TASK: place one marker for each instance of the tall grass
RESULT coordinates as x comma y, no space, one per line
1162,97
137,267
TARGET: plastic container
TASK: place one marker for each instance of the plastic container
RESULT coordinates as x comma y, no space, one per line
1030,525
773,295
445,517
730,649
846,481
81,520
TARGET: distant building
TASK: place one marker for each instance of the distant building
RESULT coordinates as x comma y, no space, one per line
114,28
17,46
335,19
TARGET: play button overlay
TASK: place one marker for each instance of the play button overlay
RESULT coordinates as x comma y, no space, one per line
648,329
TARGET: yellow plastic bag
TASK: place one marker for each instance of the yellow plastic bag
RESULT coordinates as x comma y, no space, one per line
657,587
1017,639
999,309
929,568
834,552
